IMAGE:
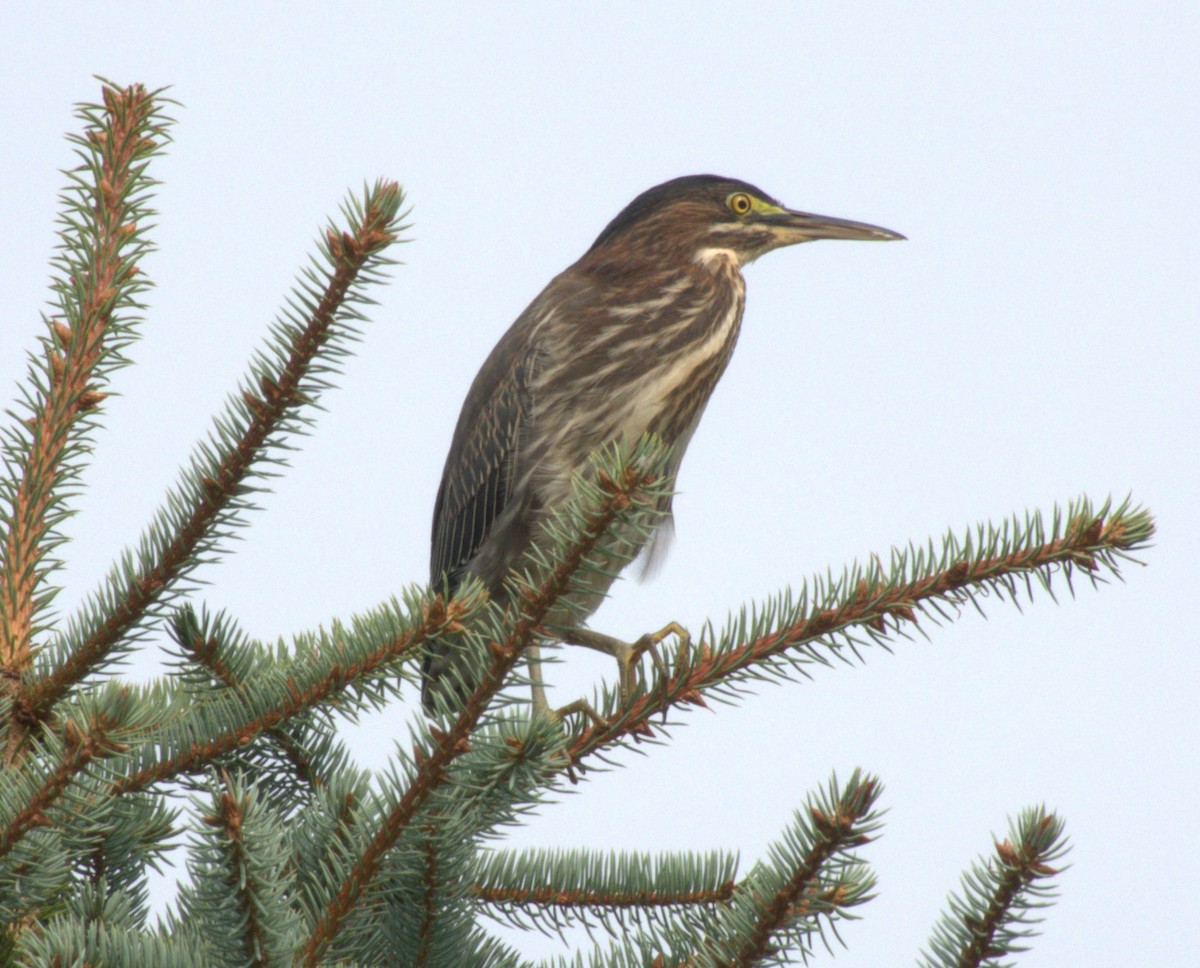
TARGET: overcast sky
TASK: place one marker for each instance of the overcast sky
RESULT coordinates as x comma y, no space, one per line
1034,340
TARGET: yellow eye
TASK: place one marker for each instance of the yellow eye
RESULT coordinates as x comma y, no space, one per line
740,203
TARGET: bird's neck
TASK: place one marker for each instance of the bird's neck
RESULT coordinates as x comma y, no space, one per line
718,260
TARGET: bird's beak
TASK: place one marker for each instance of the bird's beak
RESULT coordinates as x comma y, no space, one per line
792,227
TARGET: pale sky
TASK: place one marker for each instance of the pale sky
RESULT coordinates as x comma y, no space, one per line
1035,339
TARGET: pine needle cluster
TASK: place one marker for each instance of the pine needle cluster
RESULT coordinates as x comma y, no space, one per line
296,855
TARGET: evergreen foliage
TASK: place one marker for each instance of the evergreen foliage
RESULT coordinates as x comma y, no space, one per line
296,856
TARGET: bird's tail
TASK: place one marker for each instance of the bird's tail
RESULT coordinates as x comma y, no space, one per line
447,677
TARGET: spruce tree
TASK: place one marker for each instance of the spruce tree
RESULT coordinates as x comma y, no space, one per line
296,856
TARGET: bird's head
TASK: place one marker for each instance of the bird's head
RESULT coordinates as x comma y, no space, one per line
703,217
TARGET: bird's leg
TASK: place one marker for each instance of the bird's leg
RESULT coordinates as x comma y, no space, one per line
581,707
628,654
533,656
537,688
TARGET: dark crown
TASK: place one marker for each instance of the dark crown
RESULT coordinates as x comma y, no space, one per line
700,187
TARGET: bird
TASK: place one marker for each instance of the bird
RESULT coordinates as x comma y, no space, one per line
631,339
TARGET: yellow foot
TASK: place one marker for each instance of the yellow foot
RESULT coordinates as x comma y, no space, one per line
580,707
629,654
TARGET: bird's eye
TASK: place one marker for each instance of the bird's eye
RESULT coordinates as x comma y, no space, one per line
740,203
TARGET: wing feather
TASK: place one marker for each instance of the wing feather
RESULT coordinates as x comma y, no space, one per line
480,472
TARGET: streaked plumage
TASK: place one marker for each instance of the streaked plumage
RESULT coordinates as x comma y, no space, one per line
630,339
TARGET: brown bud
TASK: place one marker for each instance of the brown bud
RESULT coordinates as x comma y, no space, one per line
270,388
73,735
1006,852
334,241
90,399
374,239
58,365
257,407
642,729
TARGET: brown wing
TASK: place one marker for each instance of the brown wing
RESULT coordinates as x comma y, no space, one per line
477,484
481,467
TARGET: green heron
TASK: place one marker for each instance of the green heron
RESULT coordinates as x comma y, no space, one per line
630,339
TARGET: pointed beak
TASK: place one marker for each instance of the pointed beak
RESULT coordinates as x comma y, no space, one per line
792,227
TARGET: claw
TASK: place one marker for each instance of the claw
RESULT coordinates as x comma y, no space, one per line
649,643
581,707
629,654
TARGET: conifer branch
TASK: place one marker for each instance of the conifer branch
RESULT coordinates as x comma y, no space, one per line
787,637
97,284
815,876
812,879
80,746
230,720
239,900
209,499
992,917
300,857
242,884
207,651
100,941
544,896
302,756
617,494
430,882
551,890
